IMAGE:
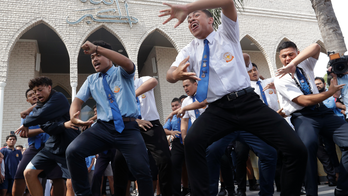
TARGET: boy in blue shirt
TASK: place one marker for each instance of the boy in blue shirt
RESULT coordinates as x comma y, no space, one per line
12,158
113,90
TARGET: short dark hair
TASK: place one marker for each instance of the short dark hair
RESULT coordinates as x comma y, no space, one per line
182,97
7,137
191,80
176,100
102,44
26,92
320,78
42,80
287,44
208,13
20,146
254,65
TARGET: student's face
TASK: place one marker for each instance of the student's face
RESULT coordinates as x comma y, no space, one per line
31,97
320,85
175,105
200,24
95,111
11,142
42,92
254,74
189,87
287,55
100,63
19,148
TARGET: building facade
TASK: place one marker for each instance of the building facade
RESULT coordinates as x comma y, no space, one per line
43,38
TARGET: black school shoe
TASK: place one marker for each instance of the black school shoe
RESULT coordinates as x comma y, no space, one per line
340,192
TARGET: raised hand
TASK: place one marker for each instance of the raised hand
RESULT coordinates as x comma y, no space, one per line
89,48
181,73
269,86
179,12
289,68
334,87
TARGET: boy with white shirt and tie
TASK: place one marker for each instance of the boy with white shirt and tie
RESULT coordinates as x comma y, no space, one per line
225,84
300,98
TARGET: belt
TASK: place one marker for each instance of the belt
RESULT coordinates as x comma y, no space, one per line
234,95
128,119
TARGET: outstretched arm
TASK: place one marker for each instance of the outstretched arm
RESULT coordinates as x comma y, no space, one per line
312,99
146,86
180,12
193,106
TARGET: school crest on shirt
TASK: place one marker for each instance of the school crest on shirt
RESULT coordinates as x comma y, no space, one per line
116,89
228,57
143,96
270,92
17,155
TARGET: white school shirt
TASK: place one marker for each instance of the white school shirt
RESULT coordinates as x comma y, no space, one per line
288,89
147,101
227,70
271,95
191,113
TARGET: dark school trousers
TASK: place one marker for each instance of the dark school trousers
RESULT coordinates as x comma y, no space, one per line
100,166
308,125
156,143
250,114
178,159
103,136
267,160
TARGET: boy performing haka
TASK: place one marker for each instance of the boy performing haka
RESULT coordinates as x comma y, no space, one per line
216,57
300,98
52,114
36,141
113,90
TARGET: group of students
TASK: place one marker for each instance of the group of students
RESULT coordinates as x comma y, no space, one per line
225,103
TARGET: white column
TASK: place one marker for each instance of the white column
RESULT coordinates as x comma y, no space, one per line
73,90
2,90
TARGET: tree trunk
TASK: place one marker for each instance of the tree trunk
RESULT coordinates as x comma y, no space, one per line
329,28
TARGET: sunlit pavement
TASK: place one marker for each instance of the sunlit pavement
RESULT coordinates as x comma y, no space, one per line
323,190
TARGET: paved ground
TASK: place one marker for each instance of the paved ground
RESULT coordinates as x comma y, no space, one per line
323,190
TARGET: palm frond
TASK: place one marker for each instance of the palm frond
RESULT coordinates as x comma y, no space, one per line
217,12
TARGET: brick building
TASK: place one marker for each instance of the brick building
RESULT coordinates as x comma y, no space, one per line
43,38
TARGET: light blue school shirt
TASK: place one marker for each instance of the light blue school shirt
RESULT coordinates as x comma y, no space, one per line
344,90
89,161
122,85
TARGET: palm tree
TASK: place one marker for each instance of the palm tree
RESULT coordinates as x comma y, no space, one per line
329,28
216,13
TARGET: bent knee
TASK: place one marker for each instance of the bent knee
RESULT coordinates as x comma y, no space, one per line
30,173
71,151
